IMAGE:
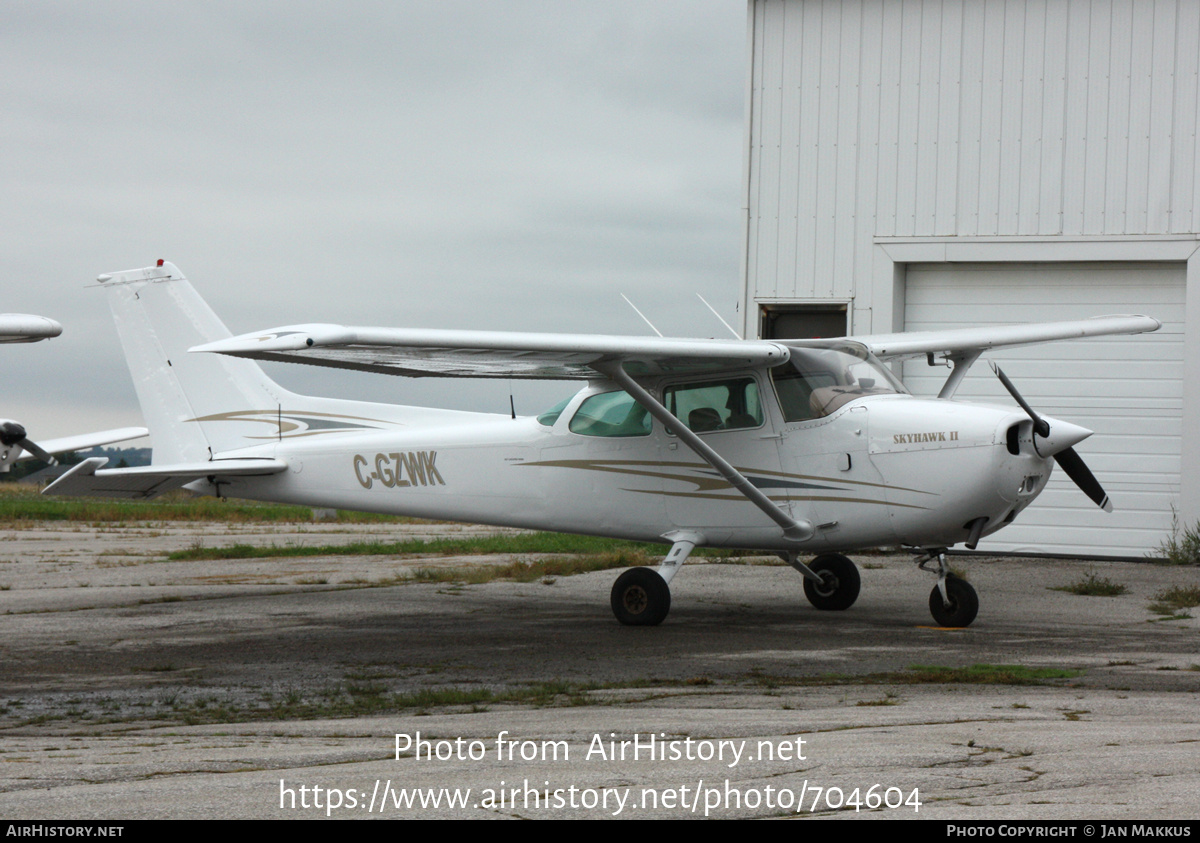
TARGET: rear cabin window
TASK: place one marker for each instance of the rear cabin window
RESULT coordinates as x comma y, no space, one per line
716,405
549,417
611,414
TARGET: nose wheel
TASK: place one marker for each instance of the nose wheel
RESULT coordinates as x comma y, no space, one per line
958,607
953,601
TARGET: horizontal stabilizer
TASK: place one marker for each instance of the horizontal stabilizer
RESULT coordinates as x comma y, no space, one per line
91,480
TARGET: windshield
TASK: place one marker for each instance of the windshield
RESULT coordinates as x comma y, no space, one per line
817,381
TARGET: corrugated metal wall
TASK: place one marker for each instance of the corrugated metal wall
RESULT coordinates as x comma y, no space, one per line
896,118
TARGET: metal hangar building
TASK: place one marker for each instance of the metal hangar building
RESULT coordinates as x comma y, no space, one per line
925,164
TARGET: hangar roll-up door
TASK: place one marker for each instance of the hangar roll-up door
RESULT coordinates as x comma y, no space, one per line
1127,389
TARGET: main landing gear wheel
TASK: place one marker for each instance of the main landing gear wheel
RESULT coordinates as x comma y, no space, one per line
963,605
641,597
839,584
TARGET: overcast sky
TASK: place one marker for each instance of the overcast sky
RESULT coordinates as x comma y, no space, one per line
501,164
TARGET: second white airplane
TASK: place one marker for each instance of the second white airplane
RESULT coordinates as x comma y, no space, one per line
802,448
15,444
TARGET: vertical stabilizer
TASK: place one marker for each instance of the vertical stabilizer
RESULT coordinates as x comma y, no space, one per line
195,405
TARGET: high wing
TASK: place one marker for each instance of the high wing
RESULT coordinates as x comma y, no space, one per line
495,354
963,346
965,341
484,354
22,327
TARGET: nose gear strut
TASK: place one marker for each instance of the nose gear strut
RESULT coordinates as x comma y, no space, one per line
953,601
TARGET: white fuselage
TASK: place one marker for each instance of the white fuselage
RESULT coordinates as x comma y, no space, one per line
880,470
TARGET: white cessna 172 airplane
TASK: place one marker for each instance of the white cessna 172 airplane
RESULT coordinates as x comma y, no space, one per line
794,446
15,445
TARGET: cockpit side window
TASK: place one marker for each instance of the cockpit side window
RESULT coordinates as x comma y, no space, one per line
716,405
795,390
610,414
818,381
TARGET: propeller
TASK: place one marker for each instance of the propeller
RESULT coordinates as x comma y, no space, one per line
1059,445
12,433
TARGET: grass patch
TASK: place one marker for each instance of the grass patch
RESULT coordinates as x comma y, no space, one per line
1173,600
887,699
359,694
917,674
357,699
1182,547
523,543
1093,586
23,503
988,674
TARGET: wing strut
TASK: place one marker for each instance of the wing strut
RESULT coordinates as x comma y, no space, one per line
962,361
795,530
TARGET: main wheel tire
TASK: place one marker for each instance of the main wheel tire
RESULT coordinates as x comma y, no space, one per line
839,584
963,605
641,597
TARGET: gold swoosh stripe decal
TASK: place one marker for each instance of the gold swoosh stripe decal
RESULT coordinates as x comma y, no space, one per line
270,415
287,421
716,482
590,465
